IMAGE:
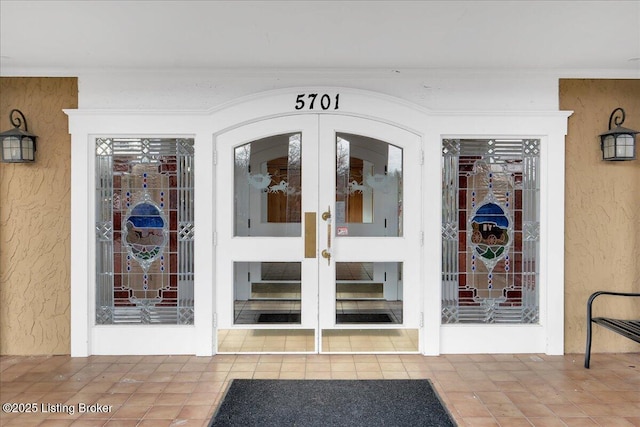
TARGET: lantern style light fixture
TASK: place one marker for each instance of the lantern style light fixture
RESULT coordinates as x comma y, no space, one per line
18,146
619,143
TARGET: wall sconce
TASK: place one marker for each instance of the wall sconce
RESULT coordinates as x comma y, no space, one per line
619,143
18,146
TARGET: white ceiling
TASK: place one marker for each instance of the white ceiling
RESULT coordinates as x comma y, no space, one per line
73,37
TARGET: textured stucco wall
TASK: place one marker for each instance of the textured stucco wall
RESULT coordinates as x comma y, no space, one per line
35,221
602,225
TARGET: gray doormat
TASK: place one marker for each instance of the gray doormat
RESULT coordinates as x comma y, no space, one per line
331,403
340,318
279,318
363,318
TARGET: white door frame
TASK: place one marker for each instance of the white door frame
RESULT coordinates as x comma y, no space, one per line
85,125
318,185
405,248
230,248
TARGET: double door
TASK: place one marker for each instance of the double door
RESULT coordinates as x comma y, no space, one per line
318,236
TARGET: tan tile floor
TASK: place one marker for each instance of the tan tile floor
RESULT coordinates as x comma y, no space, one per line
479,390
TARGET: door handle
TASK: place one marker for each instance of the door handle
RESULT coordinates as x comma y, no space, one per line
326,253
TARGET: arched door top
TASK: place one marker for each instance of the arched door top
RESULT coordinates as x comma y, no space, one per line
318,100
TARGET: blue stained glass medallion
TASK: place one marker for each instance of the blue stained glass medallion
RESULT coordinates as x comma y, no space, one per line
490,229
145,232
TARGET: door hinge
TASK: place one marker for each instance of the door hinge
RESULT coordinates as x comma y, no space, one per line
421,238
215,238
215,320
421,157
215,157
421,319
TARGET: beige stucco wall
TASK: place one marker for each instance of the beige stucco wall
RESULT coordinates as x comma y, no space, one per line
35,221
602,225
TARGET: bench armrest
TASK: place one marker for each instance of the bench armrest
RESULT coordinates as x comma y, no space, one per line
597,294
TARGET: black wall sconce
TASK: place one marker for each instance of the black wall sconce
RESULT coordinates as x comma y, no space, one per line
619,143
18,146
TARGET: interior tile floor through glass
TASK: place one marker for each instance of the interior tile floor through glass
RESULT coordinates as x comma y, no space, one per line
478,390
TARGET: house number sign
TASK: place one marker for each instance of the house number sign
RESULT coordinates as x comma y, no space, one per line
317,101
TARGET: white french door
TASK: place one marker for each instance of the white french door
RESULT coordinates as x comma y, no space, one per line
318,239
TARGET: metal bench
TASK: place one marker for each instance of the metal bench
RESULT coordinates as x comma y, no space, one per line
626,328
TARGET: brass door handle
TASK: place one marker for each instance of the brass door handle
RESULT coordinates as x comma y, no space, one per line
326,253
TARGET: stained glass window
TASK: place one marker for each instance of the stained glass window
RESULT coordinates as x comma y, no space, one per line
490,231
144,231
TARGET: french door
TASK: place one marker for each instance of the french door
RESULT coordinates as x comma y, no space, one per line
318,236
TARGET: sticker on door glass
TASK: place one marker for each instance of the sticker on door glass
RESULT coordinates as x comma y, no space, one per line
342,231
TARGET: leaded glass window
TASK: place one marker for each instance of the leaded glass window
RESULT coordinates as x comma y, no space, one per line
490,230
144,231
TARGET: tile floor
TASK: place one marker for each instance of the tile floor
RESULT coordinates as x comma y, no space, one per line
479,390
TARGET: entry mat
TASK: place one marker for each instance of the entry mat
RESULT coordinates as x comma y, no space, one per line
331,403
340,318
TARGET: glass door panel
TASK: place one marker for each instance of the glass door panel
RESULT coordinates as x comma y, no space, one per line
368,293
266,293
268,186
368,187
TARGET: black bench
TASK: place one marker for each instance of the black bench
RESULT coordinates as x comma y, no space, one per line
626,328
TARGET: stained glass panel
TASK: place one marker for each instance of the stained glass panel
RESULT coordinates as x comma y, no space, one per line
490,231
144,231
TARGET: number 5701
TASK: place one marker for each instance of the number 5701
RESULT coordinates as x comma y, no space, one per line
315,101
